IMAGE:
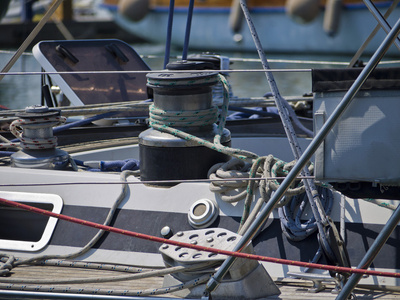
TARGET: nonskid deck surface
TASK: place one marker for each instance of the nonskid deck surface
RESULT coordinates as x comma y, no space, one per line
290,288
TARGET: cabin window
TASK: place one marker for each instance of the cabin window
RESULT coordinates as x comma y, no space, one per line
25,230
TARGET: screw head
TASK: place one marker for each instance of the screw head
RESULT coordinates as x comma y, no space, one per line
166,232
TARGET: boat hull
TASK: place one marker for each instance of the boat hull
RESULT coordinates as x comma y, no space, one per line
210,31
147,209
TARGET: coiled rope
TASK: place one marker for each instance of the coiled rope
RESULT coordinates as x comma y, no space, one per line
234,168
39,123
183,118
264,167
290,215
270,167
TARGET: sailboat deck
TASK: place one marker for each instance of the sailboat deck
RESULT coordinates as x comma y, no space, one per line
290,288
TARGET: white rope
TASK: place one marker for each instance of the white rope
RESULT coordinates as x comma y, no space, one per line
38,123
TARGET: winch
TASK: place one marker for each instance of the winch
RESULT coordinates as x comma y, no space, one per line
36,139
183,101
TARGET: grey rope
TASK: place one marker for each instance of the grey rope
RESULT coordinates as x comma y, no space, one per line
89,245
265,167
30,37
79,290
93,266
141,275
6,264
234,168
381,203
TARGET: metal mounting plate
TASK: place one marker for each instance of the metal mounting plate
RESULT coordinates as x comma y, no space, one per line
211,237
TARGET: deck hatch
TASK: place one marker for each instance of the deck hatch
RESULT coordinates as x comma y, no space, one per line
24,230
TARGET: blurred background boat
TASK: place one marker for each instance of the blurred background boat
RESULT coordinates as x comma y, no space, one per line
83,19
291,26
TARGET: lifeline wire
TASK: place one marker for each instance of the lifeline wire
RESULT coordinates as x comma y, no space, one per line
149,71
143,182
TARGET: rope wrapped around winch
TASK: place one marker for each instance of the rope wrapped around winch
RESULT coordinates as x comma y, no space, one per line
33,123
163,124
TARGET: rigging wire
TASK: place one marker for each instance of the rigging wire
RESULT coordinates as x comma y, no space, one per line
149,71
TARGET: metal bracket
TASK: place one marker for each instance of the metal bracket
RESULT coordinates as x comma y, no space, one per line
317,280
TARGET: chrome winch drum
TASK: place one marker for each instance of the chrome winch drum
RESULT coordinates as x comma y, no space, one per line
38,130
182,95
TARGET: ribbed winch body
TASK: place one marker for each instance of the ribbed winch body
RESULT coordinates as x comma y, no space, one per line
182,101
36,139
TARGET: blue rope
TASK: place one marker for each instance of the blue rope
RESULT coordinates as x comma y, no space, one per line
290,215
6,153
110,166
82,122
257,112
